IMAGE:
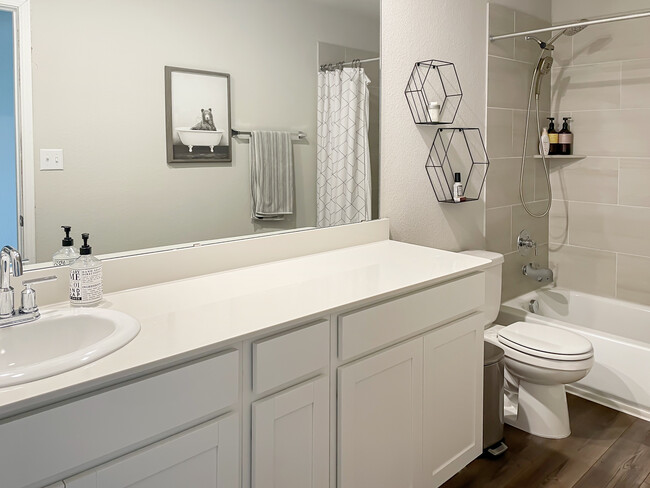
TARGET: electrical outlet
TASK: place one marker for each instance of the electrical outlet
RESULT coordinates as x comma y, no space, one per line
51,159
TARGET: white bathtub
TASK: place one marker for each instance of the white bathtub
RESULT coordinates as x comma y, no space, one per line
191,138
619,332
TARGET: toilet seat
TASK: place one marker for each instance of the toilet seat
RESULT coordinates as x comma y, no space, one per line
545,341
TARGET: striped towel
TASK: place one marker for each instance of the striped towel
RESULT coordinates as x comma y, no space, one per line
271,160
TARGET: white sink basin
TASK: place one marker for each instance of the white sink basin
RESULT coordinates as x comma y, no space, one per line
60,341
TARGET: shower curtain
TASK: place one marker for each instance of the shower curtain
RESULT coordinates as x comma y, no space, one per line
343,159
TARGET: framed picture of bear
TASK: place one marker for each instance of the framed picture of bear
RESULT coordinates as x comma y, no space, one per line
197,109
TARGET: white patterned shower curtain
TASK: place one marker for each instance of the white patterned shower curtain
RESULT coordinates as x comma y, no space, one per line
343,159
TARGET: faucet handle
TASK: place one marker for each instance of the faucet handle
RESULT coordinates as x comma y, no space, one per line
28,295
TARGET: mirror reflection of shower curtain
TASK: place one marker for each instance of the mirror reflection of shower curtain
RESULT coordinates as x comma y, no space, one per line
343,158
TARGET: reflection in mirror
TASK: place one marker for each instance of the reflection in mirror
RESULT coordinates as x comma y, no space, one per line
99,95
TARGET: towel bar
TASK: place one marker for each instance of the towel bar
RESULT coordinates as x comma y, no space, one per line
243,133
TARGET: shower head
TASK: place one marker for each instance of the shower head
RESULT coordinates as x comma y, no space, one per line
572,31
543,68
569,32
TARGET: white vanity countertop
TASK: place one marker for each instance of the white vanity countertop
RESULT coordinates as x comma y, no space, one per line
185,319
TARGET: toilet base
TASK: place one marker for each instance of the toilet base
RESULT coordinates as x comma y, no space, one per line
540,410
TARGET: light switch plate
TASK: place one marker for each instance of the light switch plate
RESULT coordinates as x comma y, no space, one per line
51,159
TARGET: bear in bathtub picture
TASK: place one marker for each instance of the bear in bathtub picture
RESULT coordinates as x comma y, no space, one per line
202,135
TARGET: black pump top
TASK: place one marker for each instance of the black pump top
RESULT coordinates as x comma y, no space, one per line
565,125
551,124
456,177
67,240
85,250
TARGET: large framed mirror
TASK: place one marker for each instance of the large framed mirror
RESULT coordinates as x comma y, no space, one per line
98,97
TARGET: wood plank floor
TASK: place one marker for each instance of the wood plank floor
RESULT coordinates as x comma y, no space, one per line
606,449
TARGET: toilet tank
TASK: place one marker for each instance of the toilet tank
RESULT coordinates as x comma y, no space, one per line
492,283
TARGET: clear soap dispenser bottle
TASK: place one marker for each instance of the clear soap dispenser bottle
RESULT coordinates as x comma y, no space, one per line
86,284
67,254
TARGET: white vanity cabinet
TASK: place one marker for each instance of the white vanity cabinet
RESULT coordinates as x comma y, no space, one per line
206,456
290,428
410,415
70,437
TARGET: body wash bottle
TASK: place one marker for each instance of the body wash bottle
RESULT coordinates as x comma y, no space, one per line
552,137
544,143
565,138
86,286
458,189
67,254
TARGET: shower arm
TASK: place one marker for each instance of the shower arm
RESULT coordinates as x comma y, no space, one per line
582,23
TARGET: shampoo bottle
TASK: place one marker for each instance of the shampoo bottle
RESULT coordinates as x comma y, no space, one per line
544,143
67,254
565,138
86,286
552,137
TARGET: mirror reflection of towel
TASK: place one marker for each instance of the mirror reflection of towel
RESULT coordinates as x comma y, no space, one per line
271,160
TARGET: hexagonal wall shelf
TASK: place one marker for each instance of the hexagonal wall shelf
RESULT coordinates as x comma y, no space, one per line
457,150
434,81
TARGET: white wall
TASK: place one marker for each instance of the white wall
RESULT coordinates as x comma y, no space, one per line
99,95
450,30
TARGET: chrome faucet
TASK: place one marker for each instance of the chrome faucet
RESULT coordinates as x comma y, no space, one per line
539,274
12,263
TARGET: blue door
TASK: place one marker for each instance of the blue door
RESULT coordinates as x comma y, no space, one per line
8,192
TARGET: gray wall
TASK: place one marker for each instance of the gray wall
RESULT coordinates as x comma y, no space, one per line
99,95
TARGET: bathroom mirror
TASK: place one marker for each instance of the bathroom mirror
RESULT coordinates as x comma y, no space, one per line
98,94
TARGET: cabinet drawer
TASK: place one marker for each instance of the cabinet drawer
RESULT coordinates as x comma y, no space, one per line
373,327
94,429
287,357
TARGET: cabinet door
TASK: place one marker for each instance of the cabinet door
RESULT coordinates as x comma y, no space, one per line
453,399
380,419
291,438
205,456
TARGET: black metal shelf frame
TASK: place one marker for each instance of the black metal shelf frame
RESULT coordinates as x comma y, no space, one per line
464,147
434,81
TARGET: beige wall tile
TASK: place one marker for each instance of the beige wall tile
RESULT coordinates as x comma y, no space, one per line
514,281
634,183
498,229
501,21
610,227
590,87
509,82
558,222
612,42
635,84
519,124
536,227
503,182
528,51
586,270
499,133
589,180
541,182
633,279
617,133
563,53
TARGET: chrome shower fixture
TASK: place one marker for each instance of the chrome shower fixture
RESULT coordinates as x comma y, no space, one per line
542,44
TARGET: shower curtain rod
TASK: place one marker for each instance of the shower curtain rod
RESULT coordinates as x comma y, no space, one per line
347,63
574,24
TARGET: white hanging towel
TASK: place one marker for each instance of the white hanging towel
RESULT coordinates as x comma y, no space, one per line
343,157
272,187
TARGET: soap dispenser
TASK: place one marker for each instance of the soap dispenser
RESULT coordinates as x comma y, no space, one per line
86,285
565,138
552,137
67,254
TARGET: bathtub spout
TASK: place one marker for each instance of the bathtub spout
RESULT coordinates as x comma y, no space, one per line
537,273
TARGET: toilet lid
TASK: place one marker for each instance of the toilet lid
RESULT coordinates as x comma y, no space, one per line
546,341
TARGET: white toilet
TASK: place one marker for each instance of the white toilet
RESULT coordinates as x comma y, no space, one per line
540,360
